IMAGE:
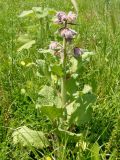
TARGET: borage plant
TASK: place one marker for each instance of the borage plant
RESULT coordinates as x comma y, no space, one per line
66,107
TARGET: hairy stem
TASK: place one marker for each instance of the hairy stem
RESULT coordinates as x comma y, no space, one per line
63,81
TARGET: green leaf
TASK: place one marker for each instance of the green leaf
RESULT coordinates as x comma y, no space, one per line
51,11
24,38
45,51
42,14
71,86
27,137
87,55
68,136
57,70
83,110
70,109
26,13
87,89
52,112
26,45
74,65
95,152
43,69
37,9
47,97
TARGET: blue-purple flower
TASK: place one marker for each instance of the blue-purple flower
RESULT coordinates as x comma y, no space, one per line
78,51
67,33
62,17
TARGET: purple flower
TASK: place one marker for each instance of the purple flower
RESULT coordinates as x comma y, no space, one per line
78,51
67,33
61,17
71,17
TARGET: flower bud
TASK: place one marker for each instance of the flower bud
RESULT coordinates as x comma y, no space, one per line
61,16
67,33
78,51
54,46
71,17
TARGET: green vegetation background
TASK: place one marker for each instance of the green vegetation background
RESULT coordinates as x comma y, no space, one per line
99,29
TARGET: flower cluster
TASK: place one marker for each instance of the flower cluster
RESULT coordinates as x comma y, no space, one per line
65,32
62,17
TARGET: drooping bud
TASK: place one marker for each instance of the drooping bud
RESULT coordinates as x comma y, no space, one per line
78,51
67,33
71,17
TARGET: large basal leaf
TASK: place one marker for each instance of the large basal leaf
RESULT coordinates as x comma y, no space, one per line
82,109
52,112
26,45
47,96
29,137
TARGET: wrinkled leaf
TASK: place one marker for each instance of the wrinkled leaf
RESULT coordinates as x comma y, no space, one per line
52,112
47,97
27,137
26,45
83,109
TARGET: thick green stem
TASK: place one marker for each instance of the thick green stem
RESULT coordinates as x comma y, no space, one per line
63,81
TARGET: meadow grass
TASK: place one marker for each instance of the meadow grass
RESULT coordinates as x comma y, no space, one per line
99,31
